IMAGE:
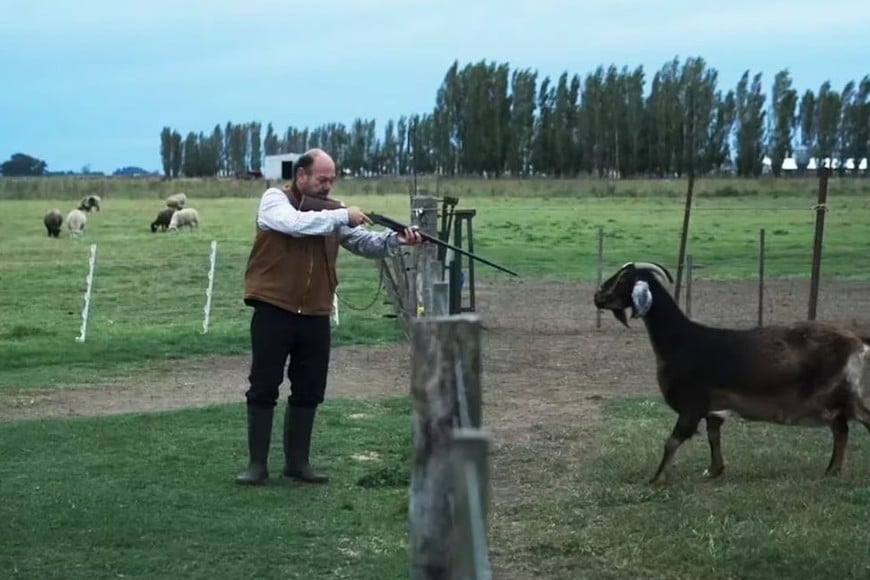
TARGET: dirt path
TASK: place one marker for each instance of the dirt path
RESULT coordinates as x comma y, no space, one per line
546,371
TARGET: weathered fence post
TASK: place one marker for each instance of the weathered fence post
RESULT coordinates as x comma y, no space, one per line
441,298
424,209
471,483
689,285
761,277
600,272
445,391
821,208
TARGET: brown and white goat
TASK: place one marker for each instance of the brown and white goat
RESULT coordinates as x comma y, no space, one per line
805,373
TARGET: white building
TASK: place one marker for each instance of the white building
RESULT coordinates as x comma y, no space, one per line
279,167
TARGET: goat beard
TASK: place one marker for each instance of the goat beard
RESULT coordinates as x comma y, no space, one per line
620,315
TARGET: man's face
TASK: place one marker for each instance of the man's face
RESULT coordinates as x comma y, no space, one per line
319,179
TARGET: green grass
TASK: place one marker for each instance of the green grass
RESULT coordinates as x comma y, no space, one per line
152,496
149,289
772,515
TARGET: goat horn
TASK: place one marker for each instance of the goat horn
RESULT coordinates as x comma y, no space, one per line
657,269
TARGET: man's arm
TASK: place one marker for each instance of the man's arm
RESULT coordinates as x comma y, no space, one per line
368,244
276,213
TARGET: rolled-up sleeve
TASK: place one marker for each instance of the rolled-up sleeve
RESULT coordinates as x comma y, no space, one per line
368,244
276,213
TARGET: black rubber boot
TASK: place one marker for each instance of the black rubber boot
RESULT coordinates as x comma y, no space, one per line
259,437
298,424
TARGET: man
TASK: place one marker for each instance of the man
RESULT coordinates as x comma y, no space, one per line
290,282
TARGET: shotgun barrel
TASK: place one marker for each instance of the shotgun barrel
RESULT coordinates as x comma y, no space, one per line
399,227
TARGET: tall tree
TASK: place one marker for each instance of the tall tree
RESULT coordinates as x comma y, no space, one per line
783,102
256,146
855,129
166,151
750,125
827,121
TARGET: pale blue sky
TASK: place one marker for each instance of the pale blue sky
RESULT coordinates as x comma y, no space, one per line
94,82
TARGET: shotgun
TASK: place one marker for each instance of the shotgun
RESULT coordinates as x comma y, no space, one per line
317,203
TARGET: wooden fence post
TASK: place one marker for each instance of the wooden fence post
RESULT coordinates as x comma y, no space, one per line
600,272
445,391
424,209
441,298
761,277
689,269
471,484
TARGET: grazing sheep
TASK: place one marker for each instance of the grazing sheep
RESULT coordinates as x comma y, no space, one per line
76,221
53,221
90,202
176,200
184,217
162,220
807,373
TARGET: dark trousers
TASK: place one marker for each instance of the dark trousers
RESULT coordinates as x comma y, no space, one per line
277,334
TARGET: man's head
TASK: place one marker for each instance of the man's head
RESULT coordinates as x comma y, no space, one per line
314,173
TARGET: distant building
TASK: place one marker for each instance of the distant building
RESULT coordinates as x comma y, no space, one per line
279,167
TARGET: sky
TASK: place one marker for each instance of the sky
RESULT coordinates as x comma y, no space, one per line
93,83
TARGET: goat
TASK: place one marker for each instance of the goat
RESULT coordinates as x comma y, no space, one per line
805,373
162,220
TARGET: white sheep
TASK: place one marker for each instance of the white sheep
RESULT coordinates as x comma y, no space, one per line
176,200
76,220
184,217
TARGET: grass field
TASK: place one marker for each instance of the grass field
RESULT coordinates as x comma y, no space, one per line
152,496
149,496
149,289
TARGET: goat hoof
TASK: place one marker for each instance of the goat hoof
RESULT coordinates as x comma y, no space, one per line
713,473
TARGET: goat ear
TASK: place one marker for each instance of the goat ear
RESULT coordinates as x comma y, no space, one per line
641,299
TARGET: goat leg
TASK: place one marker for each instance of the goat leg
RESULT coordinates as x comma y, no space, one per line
717,464
686,427
840,429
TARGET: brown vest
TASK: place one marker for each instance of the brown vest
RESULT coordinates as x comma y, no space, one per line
296,274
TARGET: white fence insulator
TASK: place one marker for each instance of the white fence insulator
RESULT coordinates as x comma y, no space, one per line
90,281
210,288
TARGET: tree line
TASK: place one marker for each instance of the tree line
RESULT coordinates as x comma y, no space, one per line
491,120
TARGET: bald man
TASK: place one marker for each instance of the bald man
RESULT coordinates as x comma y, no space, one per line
290,282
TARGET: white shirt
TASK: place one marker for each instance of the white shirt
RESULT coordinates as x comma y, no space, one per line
278,214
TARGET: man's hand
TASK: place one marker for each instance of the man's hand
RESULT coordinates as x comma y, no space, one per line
410,237
356,217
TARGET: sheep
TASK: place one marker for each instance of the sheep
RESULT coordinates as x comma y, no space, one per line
90,202
53,221
76,220
184,217
176,200
806,373
162,220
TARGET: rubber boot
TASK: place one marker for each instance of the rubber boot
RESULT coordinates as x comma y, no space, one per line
259,437
298,424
